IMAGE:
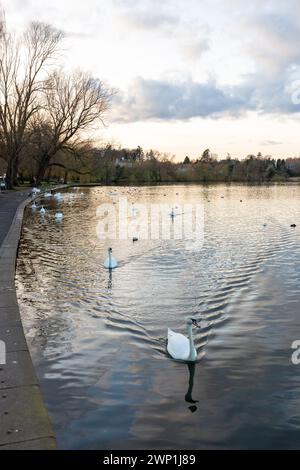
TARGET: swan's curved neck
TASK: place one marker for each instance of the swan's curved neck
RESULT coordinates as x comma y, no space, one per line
192,346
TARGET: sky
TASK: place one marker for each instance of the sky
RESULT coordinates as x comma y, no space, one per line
188,74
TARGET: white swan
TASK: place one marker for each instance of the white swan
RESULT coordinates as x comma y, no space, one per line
42,210
134,210
34,206
58,196
35,191
179,346
59,216
47,195
110,262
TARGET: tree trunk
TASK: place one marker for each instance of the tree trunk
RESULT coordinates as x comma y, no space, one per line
66,177
42,168
9,179
15,171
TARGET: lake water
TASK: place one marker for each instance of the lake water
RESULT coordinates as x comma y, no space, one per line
98,340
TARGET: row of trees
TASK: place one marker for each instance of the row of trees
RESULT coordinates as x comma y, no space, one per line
121,166
109,165
45,113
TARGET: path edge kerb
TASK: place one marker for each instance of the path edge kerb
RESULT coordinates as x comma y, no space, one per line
13,236
44,439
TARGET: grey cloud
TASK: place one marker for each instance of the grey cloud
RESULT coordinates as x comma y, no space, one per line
77,34
175,100
270,142
148,14
153,99
150,20
272,39
195,49
190,37
275,95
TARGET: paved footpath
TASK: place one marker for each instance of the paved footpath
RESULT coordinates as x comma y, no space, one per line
9,201
24,420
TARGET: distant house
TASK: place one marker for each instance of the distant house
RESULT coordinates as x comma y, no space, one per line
184,167
121,161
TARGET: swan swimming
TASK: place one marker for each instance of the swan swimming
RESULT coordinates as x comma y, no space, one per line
59,216
35,190
134,210
110,262
58,196
34,206
179,346
172,215
47,195
42,210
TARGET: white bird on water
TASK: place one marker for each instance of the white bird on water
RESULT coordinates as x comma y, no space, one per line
59,216
180,347
35,190
42,210
134,210
110,262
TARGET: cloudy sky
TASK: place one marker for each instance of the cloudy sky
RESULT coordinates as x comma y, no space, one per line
190,74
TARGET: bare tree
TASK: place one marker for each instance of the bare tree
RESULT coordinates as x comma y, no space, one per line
73,105
22,65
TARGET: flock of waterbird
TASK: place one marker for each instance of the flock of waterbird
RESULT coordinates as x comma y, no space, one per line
47,195
180,347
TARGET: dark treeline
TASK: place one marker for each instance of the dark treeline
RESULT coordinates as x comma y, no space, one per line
124,166
108,165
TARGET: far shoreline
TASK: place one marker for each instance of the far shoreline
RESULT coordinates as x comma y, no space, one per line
68,185
188,183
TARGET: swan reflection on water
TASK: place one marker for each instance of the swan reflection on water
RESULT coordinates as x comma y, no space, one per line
109,284
191,365
188,396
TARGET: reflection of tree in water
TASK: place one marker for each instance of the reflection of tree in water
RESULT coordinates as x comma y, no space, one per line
188,396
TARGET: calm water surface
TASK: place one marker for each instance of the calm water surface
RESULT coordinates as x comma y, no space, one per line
99,341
